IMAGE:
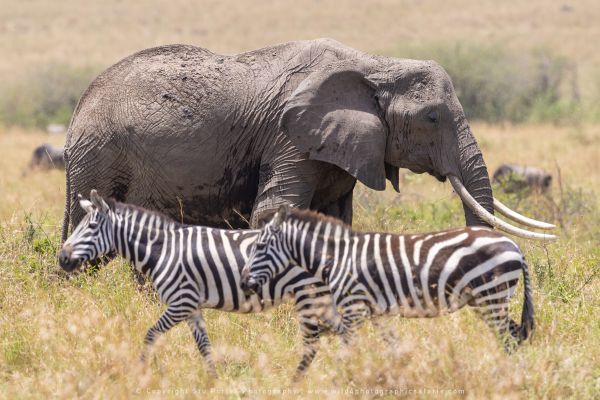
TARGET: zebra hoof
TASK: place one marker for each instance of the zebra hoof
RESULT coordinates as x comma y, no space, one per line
298,376
143,359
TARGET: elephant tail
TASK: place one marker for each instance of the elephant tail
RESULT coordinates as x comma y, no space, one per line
67,214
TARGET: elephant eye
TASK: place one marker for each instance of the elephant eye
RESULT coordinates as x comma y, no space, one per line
378,101
433,117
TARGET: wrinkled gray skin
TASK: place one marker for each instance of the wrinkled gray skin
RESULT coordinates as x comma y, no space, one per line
514,178
297,123
47,156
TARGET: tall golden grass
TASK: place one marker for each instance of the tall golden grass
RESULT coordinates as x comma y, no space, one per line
80,336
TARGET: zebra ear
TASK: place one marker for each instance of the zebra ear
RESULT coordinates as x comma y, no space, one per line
280,215
98,201
87,205
283,210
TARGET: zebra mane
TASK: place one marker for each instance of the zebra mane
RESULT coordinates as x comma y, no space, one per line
313,217
122,208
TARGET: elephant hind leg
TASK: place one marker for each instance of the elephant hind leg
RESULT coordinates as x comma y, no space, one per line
67,213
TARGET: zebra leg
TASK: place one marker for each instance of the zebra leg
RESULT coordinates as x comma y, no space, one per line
495,315
311,332
309,309
169,319
354,315
198,327
315,305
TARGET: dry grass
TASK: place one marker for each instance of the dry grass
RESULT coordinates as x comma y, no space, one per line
35,33
81,336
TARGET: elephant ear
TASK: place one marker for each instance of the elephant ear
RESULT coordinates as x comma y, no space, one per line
333,116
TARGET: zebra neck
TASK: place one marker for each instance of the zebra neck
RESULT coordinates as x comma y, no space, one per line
138,235
321,247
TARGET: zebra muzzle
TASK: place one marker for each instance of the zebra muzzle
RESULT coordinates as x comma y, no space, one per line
66,261
250,286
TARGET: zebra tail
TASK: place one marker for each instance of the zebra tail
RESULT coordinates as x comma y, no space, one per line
527,315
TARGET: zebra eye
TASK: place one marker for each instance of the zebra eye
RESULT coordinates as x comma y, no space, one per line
93,224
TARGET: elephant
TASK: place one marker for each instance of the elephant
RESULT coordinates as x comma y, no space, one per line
515,178
47,156
223,140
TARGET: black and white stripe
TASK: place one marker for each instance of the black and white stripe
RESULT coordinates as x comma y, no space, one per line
194,267
411,275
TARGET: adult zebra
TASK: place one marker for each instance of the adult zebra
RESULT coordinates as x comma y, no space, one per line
411,275
194,267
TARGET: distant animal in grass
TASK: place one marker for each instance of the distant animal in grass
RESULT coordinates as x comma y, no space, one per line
515,178
47,156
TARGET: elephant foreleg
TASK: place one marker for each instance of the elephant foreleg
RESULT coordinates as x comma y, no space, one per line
289,182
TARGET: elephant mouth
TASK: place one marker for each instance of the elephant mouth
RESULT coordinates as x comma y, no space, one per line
437,175
423,169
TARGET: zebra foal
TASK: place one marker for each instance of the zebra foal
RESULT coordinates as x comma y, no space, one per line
411,275
194,267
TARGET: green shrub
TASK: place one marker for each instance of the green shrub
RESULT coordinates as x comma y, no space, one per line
47,96
493,84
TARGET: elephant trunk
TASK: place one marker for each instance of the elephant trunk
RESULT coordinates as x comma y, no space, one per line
474,176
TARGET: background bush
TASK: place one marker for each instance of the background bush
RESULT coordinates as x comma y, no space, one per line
48,95
496,85
492,84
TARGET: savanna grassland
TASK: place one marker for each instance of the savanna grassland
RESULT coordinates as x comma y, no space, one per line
80,336
35,33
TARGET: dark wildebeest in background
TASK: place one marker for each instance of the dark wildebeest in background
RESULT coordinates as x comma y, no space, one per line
47,156
515,178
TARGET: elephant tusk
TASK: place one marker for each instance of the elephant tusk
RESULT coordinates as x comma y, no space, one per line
482,213
515,216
